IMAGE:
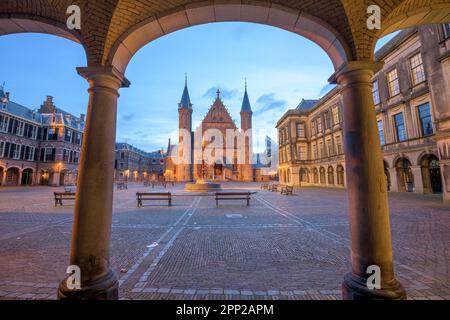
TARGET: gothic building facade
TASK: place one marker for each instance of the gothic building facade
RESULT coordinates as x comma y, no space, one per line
189,160
412,103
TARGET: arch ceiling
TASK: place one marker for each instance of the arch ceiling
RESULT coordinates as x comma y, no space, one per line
338,26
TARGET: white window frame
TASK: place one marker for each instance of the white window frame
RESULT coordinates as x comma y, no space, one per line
393,83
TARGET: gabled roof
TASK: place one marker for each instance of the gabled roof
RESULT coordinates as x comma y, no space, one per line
218,113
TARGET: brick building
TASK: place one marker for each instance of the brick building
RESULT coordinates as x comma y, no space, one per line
38,147
135,165
408,93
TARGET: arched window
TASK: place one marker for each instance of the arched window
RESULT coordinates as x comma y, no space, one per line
322,176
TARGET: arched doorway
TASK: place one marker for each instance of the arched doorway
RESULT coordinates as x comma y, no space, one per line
404,175
316,176
64,177
27,177
340,175
45,177
304,175
323,176
431,174
12,177
330,176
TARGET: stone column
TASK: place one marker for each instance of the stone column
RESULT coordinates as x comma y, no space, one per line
394,179
19,178
367,191
418,179
3,178
93,208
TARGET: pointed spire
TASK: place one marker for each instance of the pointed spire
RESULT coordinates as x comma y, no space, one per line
185,102
246,102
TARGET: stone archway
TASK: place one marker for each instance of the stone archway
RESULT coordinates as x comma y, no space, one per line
12,177
322,174
27,177
113,36
431,173
330,176
316,176
340,176
302,23
405,176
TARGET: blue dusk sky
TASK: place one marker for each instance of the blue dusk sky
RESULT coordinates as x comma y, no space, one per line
281,68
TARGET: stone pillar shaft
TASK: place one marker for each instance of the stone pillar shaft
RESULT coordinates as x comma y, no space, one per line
93,208
367,189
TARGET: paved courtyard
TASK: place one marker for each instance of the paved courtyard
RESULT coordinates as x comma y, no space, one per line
281,247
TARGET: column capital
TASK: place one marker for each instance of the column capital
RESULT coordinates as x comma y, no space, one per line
89,73
355,68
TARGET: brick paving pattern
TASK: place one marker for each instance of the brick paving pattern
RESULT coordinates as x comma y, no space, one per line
281,247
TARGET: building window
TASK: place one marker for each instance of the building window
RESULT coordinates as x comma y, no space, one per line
4,123
313,128
381,132
16,152
425,119
327,119
321,150
302,156
20,128
68,135
400,127
339,148
330,148
319,125
52,134
2,148
336,115
376,92
301,132
417,70
50,154
315,151
394,85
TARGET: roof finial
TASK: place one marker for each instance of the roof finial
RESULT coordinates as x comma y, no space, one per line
185,79
218,93
245,84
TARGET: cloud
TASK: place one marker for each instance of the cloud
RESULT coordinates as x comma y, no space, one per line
268,102
128,117
224,93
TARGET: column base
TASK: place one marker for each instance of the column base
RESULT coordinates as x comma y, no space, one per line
104,288
355,288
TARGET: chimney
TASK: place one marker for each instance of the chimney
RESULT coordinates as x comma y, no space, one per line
7,95
82,117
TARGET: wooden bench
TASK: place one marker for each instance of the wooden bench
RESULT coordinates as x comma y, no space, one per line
287,190
122,185
274,187
233,196
60,196
163,196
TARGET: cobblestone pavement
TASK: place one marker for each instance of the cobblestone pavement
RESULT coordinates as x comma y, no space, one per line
281,247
